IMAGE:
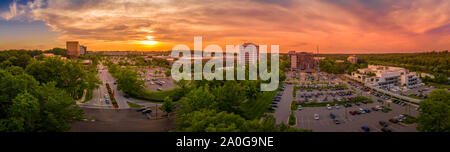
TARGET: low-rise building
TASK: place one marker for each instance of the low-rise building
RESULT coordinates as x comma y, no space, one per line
352,59
385,77
86,62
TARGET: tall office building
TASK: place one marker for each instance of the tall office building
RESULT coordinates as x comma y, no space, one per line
73,48
302,62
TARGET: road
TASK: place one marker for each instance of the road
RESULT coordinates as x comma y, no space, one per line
284,106
98,99
126,120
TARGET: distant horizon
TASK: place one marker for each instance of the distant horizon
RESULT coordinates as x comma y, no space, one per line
281,52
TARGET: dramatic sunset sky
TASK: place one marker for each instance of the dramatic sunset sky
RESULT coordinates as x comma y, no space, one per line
337,26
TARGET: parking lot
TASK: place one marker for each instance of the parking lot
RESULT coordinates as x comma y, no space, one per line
326,95
352,123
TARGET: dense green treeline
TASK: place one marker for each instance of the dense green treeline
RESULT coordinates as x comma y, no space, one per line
39,95
431,62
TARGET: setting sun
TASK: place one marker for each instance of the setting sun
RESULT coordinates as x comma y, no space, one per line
149,42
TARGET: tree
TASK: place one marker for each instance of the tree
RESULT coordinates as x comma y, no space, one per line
435,112
23,114
13,85
168,106
56,109
210,121
199,98
128,81
68,75
229,97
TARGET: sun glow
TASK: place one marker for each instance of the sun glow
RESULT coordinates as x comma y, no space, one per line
149,42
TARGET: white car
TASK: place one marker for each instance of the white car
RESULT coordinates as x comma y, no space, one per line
329,107
316,116
379,107
337,106
300,108
362,110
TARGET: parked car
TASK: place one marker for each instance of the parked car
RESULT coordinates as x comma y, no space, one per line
300,108
332,116
379,108
393,120
141,109
352,112
316,116
362,110
147,111
365,128
364,102
337,122
385,130
337,106
383,124
329,107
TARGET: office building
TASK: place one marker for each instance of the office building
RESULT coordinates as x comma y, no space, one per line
386,77
73,49
302,62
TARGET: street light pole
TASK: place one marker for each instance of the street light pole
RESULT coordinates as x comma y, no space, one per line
156,109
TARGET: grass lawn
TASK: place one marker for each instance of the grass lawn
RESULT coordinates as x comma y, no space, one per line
255,108
292,120
133,105
416,97
409,119
159,96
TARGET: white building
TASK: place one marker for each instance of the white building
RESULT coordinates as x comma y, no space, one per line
385,77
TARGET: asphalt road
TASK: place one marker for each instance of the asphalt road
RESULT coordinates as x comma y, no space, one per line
98,100
284,106
125,120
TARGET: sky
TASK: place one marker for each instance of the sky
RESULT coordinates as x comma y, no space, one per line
335,26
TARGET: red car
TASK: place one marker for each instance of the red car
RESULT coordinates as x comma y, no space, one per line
393,120
352,112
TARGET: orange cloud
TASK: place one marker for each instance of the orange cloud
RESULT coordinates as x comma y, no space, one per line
337,26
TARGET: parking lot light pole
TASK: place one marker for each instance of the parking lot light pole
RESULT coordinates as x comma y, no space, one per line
345,112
